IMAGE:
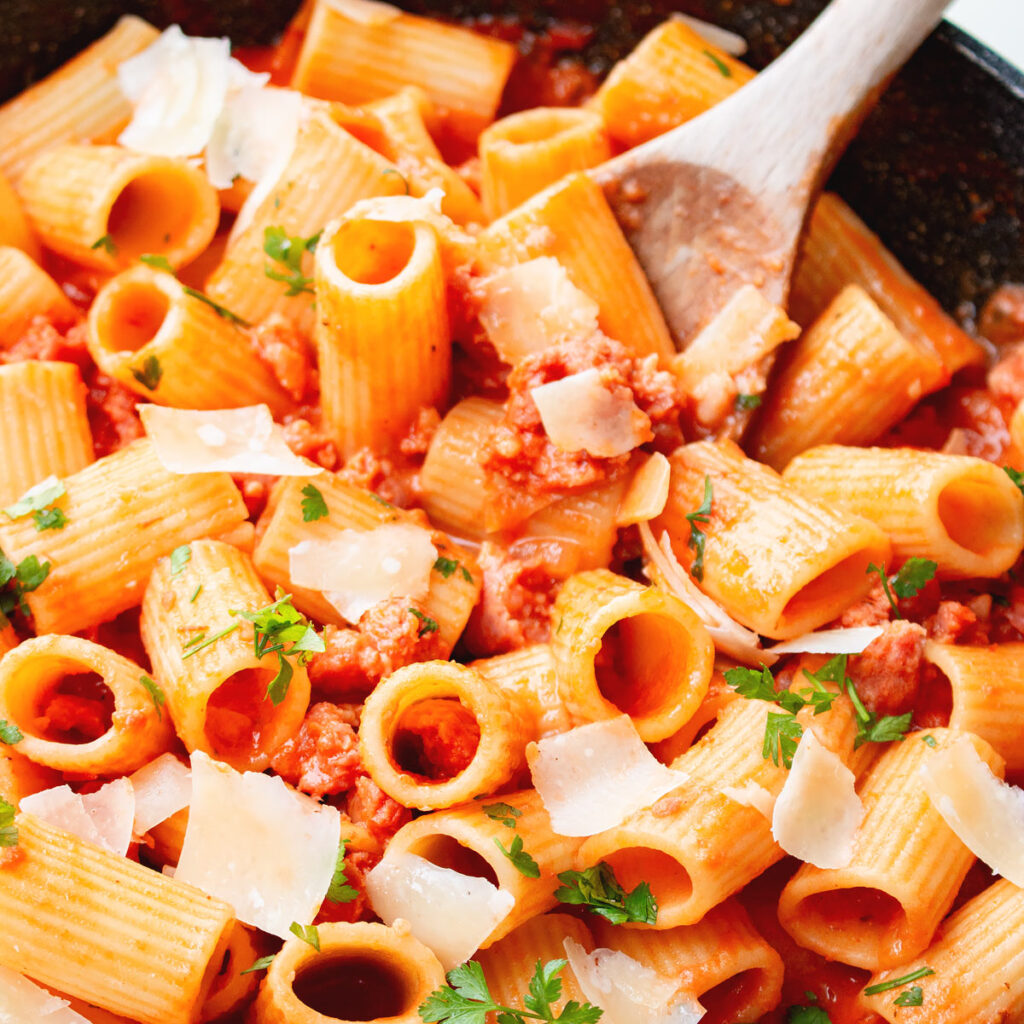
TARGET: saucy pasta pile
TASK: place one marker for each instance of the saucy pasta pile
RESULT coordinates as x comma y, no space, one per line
400,624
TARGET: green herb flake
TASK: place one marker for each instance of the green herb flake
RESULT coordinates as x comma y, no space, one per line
724,70
152,687
929,740
697,538
906,979
1017,478
446,566
914,996
8,830
10,733
105,242
222,311
150,373
503,813
521,860
908,582
599,891
180,557
340,891
306,932
195,593
744,403
314,506
49,519
287,251
35,499
427,624
260,965
156,261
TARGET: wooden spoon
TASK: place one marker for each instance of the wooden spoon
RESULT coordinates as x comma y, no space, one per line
720,201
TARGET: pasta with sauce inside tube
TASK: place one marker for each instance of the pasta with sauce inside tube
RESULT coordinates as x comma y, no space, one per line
398,624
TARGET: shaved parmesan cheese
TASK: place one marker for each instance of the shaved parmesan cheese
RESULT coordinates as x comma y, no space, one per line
986,813
580,414
830,641
733,44
663,569
750,794
532,306
593,777
243,440
818,812
628,991
23,1001
254,137
178,87
266,849
365,12
648,492
162,788
103,818
360,568
451,913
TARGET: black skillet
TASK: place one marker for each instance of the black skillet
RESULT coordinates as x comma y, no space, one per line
937,170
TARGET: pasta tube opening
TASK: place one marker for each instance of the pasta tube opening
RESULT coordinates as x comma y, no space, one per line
978,516
241,721
445,851
373,252
354,987
76,707
436,739
727,1001
865,915
154,213
670,882
845,576
132,315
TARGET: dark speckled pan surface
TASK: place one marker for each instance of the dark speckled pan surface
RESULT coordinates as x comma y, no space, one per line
937,169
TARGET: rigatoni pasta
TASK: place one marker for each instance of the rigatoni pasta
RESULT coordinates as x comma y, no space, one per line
27,291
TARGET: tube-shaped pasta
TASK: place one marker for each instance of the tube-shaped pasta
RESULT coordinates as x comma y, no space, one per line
355,61
81,101
621,647
697,846
46,432
382,331
329,170
417,157
204,361
719,696
573,222
464,839
41,671
778,561
985,687
509,964
71,909
104,206
838,249
722,960
907,865
961,512
14,227
530,674
217,688
435,734
977,961
20,777
123,512
361,972
27,291
525,152
671,77
850,377
230,987
448,602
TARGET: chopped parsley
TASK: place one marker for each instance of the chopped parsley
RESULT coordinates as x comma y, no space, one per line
747,402
287,250
929,740
504,813
156,261
152,687
521,860
10,733
313,505
914,996
724,70
8,830
49,519
306,932
807,1014
195,593
446,566
782,733
35,499
222,311
599,891
260,965
340,891
888,986
275,626
427,624
26,576
908,582
180,557
1017,478
150,373
697,538
200,642
466,999
105,242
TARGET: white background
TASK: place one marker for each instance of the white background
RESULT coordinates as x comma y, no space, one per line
999,24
